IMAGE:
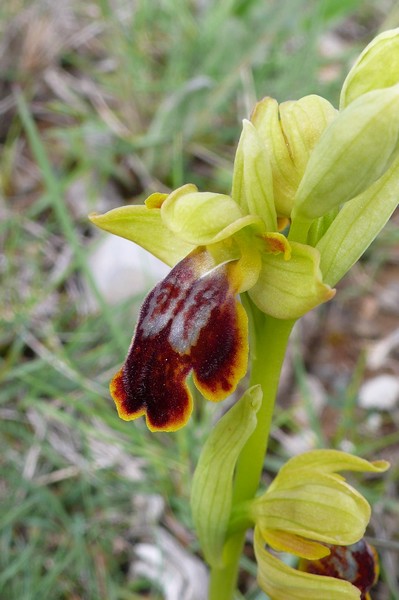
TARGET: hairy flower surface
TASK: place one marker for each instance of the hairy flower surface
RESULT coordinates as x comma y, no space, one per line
191,321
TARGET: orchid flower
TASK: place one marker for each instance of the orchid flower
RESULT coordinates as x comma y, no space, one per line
295,162
312,512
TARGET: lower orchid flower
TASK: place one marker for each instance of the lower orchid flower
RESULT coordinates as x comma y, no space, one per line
347,573
312,512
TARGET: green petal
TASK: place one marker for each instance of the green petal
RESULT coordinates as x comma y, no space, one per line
252,178
377,67
294,544
202,218
287,289
357,225
353,152
281,582
212,488
144,226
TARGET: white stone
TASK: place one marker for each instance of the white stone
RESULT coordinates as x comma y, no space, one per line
180,575
121,269
380,392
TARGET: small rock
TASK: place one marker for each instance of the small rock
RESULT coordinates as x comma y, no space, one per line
378,354
179,574
389,298
380,392
296,443
122,269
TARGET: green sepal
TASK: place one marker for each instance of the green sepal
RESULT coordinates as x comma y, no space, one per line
282,582
377,67
212,487
252,177
306,485
144,226
287,288
357,225
353,152
327,461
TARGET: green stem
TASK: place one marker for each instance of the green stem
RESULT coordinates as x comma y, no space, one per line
270,338
299,230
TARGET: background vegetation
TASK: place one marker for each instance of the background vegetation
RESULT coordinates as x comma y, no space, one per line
101,103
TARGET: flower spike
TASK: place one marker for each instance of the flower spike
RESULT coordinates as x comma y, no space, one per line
190,321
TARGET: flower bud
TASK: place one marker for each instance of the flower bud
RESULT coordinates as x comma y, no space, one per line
290,131
377,67
353,152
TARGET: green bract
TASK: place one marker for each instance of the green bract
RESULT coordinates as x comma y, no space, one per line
377,67
357,225
212,489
